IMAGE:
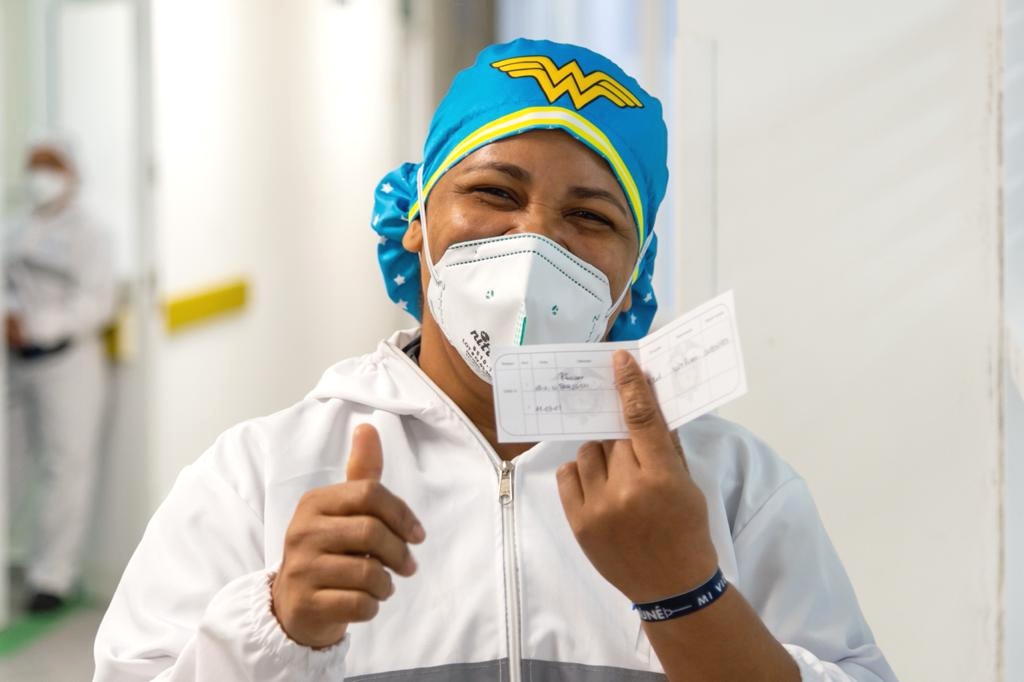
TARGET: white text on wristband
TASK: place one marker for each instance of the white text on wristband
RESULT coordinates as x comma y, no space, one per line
685,603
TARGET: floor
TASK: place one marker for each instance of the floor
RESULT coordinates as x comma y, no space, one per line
64,654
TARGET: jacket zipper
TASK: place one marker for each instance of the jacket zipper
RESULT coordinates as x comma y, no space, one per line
505,497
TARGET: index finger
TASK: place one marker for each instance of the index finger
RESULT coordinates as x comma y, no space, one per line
652,441
370,498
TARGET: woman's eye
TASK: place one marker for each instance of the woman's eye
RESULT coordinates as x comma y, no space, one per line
495,192
593,217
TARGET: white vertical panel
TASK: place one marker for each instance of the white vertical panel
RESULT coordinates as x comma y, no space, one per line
695,183
96,103
1013,377
4,526
23,58
858,223
96,100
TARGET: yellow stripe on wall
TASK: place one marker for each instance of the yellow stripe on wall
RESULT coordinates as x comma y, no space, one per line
204,304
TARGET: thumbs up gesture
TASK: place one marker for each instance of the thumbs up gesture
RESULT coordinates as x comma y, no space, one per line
338,548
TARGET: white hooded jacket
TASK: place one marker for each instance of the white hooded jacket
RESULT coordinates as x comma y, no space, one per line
503,590
59,276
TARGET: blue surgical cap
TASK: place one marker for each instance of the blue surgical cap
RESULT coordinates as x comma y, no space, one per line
527,85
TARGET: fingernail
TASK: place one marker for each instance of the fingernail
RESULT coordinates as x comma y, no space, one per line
621,359
418,534
411,565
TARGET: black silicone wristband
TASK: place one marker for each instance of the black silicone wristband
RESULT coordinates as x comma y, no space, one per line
686,603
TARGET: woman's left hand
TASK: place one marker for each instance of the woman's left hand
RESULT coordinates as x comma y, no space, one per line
632,505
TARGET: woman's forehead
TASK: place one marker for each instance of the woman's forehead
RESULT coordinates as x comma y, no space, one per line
552,150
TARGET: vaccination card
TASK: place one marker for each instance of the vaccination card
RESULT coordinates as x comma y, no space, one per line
566,391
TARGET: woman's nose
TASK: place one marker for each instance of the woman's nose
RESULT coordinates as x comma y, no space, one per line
542,219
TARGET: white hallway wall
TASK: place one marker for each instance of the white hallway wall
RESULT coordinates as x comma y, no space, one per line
272,129
859,226
1013,283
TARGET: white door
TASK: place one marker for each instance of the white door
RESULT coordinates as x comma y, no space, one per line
100,91
84,75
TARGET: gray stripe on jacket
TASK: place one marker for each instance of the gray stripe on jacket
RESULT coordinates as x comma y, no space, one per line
533,671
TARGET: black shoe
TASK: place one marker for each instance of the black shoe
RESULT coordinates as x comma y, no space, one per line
44,602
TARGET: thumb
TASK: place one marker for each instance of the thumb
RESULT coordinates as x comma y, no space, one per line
365,459
641,412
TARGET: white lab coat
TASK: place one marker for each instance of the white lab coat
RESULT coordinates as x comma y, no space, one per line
60,283
503,590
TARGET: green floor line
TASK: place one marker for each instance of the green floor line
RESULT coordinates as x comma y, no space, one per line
28,628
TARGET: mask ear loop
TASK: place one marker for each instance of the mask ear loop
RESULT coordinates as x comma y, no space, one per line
423,227
629,282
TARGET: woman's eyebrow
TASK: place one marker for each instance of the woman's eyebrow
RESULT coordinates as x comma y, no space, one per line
510,169
595,193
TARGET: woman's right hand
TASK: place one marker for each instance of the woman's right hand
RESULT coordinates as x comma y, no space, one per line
338,548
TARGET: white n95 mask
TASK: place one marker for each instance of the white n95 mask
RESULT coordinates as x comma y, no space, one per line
46,186
512,291
515,290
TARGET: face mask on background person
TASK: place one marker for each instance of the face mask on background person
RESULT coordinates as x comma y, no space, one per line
46,186
515,290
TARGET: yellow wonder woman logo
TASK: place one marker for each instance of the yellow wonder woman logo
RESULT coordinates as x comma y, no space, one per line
555,81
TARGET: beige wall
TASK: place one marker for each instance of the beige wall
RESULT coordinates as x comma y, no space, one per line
858,196
272,129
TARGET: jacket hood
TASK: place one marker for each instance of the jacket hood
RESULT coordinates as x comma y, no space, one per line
386,379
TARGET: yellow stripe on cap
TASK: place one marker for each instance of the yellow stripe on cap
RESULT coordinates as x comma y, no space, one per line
536,117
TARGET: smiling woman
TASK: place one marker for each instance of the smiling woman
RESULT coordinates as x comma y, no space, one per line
543,182
694,554
539,183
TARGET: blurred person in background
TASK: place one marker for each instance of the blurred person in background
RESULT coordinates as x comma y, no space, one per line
59,296
694,554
